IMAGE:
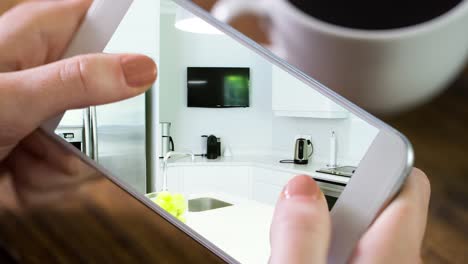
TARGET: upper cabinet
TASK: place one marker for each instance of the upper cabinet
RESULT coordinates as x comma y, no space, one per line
292,97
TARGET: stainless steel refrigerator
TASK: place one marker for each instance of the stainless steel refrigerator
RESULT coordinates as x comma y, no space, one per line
114,135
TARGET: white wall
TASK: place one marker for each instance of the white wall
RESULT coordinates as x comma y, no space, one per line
354,137
286,128
249,130
243,129
137,33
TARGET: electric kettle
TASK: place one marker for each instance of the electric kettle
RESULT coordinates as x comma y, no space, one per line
303,151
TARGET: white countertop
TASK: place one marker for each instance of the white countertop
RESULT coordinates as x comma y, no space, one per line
268,162
241,230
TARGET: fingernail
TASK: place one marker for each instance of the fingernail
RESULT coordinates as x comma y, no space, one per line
302,186
139,70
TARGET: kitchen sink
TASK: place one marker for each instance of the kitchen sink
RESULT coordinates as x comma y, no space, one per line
205,204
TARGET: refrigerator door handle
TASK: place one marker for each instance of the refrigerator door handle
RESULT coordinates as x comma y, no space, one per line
94,133
87,148
172,144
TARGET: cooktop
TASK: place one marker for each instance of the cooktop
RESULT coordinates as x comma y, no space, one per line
345,171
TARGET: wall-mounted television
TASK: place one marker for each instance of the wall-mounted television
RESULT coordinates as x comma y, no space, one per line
218,87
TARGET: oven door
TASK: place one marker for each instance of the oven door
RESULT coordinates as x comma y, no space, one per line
332,191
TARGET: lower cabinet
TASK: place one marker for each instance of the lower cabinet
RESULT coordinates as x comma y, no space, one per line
230,180
265,193
248,182
267,185
174,179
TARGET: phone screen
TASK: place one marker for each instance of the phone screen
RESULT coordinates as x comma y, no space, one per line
229,129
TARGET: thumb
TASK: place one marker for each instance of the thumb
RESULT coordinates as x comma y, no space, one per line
76,83
300,231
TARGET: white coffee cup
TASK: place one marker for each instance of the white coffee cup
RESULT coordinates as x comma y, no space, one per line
383,71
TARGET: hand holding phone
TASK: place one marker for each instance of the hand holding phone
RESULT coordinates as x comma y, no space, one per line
300,232
76,82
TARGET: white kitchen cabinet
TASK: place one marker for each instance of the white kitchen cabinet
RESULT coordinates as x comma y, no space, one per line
174,179
245,181
265,193
267,185
293,98
197,180
271,176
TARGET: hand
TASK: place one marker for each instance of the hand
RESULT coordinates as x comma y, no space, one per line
37,33
300,232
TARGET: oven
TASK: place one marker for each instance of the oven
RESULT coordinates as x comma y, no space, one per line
73,135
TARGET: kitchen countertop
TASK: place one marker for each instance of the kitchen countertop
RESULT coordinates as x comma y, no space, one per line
267,162
241,230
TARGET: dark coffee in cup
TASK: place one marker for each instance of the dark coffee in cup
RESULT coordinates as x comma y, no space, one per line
375,14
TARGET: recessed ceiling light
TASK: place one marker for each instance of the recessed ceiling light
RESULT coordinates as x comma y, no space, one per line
187,21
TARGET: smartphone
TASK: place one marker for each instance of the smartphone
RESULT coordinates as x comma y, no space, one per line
244,123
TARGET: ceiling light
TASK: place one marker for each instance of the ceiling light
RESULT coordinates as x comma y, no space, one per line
187,21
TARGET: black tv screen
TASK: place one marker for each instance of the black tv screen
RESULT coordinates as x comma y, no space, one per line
218,87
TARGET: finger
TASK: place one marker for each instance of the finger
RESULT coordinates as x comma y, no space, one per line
73,83
38,32
6,4
300,231
398,232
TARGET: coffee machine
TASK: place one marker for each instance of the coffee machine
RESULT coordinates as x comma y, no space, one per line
213,147
166,143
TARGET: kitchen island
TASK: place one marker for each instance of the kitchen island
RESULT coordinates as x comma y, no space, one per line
252,185
241,230
258,178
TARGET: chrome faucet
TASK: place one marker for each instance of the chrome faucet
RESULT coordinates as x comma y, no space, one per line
166,158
